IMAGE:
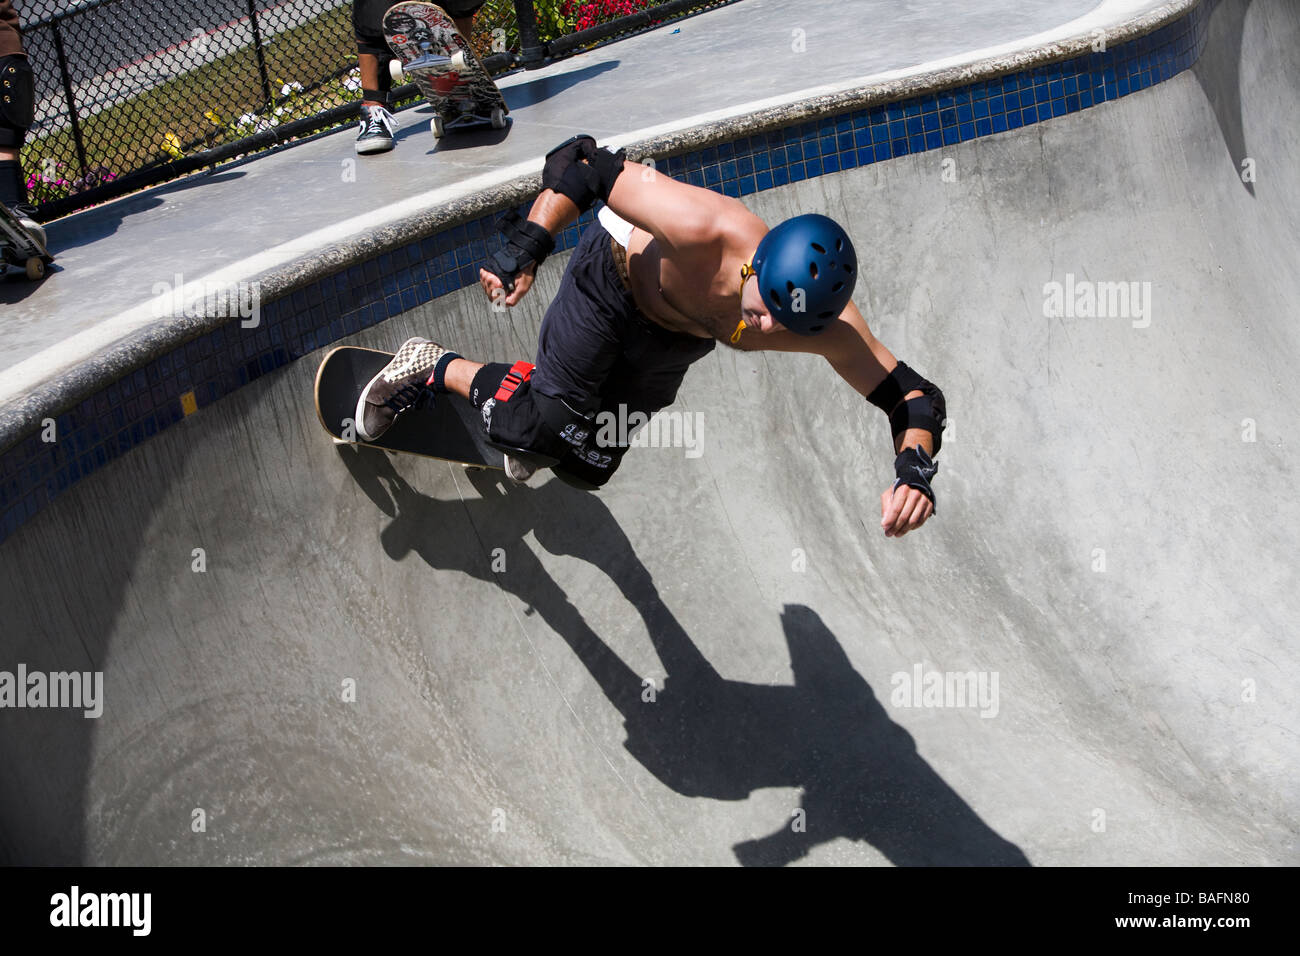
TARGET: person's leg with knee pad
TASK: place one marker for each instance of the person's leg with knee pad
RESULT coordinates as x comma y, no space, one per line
17,107
512,419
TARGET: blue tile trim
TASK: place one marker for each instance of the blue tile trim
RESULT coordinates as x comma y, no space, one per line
112,422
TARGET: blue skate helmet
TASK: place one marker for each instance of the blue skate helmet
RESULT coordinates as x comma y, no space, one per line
811,253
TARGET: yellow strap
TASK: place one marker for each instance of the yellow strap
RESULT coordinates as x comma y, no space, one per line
746,271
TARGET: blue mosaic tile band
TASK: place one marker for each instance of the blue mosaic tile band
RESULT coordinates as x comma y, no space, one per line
109,424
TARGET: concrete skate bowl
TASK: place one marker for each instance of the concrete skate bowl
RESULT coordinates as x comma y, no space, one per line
315,654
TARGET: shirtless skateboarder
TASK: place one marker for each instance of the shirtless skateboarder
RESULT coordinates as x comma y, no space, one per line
666,271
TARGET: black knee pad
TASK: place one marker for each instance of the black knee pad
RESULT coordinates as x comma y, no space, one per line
486,382
17,99
511,418
541,429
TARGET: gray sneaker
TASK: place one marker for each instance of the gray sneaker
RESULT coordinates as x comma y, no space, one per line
376,132
518,471
403,383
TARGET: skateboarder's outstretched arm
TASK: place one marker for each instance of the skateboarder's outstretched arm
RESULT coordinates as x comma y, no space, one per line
863,361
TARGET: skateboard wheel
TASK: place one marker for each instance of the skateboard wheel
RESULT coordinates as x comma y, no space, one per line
458,61
473,467
395,70
35,268
339,441
438,127
498,118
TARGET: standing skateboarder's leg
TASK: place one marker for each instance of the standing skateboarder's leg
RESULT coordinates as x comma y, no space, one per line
16,114
373,56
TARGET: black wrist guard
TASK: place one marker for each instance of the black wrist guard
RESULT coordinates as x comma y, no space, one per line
915,468
527,244
929,411
582,172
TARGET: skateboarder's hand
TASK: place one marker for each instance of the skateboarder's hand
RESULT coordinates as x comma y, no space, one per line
903,509
495,289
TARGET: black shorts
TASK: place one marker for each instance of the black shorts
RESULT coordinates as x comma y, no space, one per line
596,354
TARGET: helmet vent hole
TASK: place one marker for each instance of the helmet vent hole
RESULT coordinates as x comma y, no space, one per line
848,268
812,269
839,244
775,297
789,287
817,328
821,250
837,286
826,315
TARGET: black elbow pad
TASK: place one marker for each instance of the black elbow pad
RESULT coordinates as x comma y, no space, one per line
929,411
581,171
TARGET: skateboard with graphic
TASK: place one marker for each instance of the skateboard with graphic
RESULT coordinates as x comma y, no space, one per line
449,428
20,248
440,62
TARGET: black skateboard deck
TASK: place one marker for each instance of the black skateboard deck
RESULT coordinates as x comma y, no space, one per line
20,248
450,429
441,63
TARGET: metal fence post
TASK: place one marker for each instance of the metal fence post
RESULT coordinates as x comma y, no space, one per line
72,100
530,46
261,57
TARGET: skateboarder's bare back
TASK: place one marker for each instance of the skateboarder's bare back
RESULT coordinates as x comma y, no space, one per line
667,270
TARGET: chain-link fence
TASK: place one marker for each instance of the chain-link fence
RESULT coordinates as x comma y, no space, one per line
130,93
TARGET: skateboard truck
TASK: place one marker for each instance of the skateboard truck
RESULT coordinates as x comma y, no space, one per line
428,63
433,63
20,248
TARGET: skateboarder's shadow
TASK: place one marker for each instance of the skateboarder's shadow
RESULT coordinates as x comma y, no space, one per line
703,735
